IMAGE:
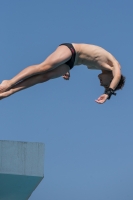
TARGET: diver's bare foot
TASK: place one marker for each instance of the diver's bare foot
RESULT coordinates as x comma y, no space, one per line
5,94
4,86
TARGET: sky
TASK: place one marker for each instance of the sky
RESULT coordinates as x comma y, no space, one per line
88,147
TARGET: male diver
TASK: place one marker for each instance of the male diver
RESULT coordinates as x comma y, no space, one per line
61,61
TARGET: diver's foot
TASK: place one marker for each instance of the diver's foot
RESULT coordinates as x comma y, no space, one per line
5,94
4,86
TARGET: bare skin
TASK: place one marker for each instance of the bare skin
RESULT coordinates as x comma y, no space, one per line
94,57
33,80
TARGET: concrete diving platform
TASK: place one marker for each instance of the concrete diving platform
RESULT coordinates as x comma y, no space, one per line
21,169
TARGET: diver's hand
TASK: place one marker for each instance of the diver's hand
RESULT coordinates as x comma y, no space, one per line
102,98
66,76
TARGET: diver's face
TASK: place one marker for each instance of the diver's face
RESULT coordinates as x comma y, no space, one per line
105,79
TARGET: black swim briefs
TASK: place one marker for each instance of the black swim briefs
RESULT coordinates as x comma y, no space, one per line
70,62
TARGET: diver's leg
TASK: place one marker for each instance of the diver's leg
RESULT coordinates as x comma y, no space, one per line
61,55
55,73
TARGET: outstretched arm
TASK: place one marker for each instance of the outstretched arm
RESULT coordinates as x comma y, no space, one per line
116,71
116,75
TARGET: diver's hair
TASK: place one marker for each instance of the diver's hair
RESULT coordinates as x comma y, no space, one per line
121,83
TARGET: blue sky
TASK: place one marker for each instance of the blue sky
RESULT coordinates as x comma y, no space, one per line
88,147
